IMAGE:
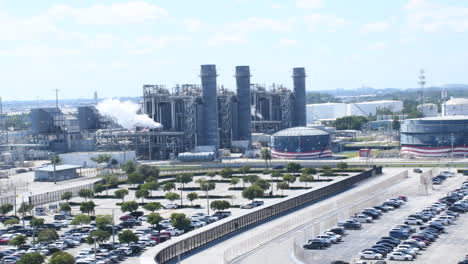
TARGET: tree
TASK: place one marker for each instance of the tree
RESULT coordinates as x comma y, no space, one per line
135,178
80,219
98,188
47,235
350,122
55,159
211,174
6,208
142,194
25,208
150,186
293,167
183,179
289,178
102,221
99,236
129,206
342,166
65,208
18,241
310,171
327,171
171,196
31,258
127,236
226,173
114,162
61,257
67,196
192,197
154,219
148,171
306,178
85,193
11,222
265,154
87,207
265,185
129,166
153,206
180,221
206,186
282,186
252,178
396,123
36,222
220,205
234,181
120,194
252,192
168,186
101,158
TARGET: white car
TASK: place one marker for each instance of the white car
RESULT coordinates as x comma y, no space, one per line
447,218
413,221
438,221
173,231
399,256
143,218
336,236
370,255
127,251
362,218
170,206
408,247
166,223
327,238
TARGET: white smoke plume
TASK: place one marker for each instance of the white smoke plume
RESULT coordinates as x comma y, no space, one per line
253,112
125,114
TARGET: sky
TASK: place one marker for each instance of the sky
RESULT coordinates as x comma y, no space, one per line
114,47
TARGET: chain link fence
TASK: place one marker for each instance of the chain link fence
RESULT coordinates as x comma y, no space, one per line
55,196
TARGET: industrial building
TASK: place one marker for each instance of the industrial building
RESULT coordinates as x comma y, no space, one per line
301,143
434,137
60,173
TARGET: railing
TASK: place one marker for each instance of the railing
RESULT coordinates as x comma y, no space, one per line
54,196
176,248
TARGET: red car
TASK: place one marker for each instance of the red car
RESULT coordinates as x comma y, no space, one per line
403,197
126,217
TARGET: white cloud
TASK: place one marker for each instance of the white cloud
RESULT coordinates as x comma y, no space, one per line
38,51
308,3
116,13
252,24
422,15
377,46
376,27
227,39
276,6
192,24
287,42
330,23
30,29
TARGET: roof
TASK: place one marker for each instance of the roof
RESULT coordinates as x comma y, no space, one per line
457,101
300,131
454,117
57,168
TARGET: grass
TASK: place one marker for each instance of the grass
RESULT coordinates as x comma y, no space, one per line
349,155
373,144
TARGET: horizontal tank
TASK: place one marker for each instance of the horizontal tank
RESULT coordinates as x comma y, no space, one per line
300,143
434,136
200,156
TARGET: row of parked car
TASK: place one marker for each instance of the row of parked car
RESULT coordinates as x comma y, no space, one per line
368,215
441,177
405,242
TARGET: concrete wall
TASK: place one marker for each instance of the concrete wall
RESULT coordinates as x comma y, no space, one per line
84,158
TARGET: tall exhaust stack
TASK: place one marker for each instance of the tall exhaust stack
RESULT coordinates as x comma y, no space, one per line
210,106
299,117
243,95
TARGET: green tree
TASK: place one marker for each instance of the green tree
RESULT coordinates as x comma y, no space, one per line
226,173
31,258
282,186
129,206
11,222
180,221
206,186
36,222
100,236
350,122
101,158
306,178
127,236
310,171
154,219
152,207
168,186
103,220
171,196
150,186
80,219
55,160
87,207
192,197
47,235
25,209
342,166
18,241
61,257
251,178
327,170
85,193
129,167
183,179
148,171
289,178
396,123
265,154
293,167
135,178
142,194
67,196
264,184
65,208
211,174
252,192
234,181
120,194
98,188
6,208
220,205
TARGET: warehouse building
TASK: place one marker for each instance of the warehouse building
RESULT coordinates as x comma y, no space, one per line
62,173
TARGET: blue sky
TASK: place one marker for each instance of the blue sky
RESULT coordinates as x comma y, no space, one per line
114,47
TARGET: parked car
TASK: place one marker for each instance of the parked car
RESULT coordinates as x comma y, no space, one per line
370,255
315,244
397,255
173,231
170,206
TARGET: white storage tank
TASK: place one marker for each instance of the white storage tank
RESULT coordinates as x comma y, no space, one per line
428,110
456,106
325,111
370,108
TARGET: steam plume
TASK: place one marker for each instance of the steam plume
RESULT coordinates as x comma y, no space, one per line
125,114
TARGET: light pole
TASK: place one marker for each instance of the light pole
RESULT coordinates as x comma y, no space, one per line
95,248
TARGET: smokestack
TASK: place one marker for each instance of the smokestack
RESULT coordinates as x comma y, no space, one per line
243,94
299,117
210,106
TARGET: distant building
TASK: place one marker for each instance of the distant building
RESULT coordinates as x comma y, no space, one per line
62,173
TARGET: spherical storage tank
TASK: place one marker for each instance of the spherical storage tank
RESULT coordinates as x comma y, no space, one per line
300,143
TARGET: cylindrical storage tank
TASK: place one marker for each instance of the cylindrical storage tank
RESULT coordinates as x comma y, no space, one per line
210,105
325,111
428,110
300,143
456,106
300,115
243,106
434,137
196,157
